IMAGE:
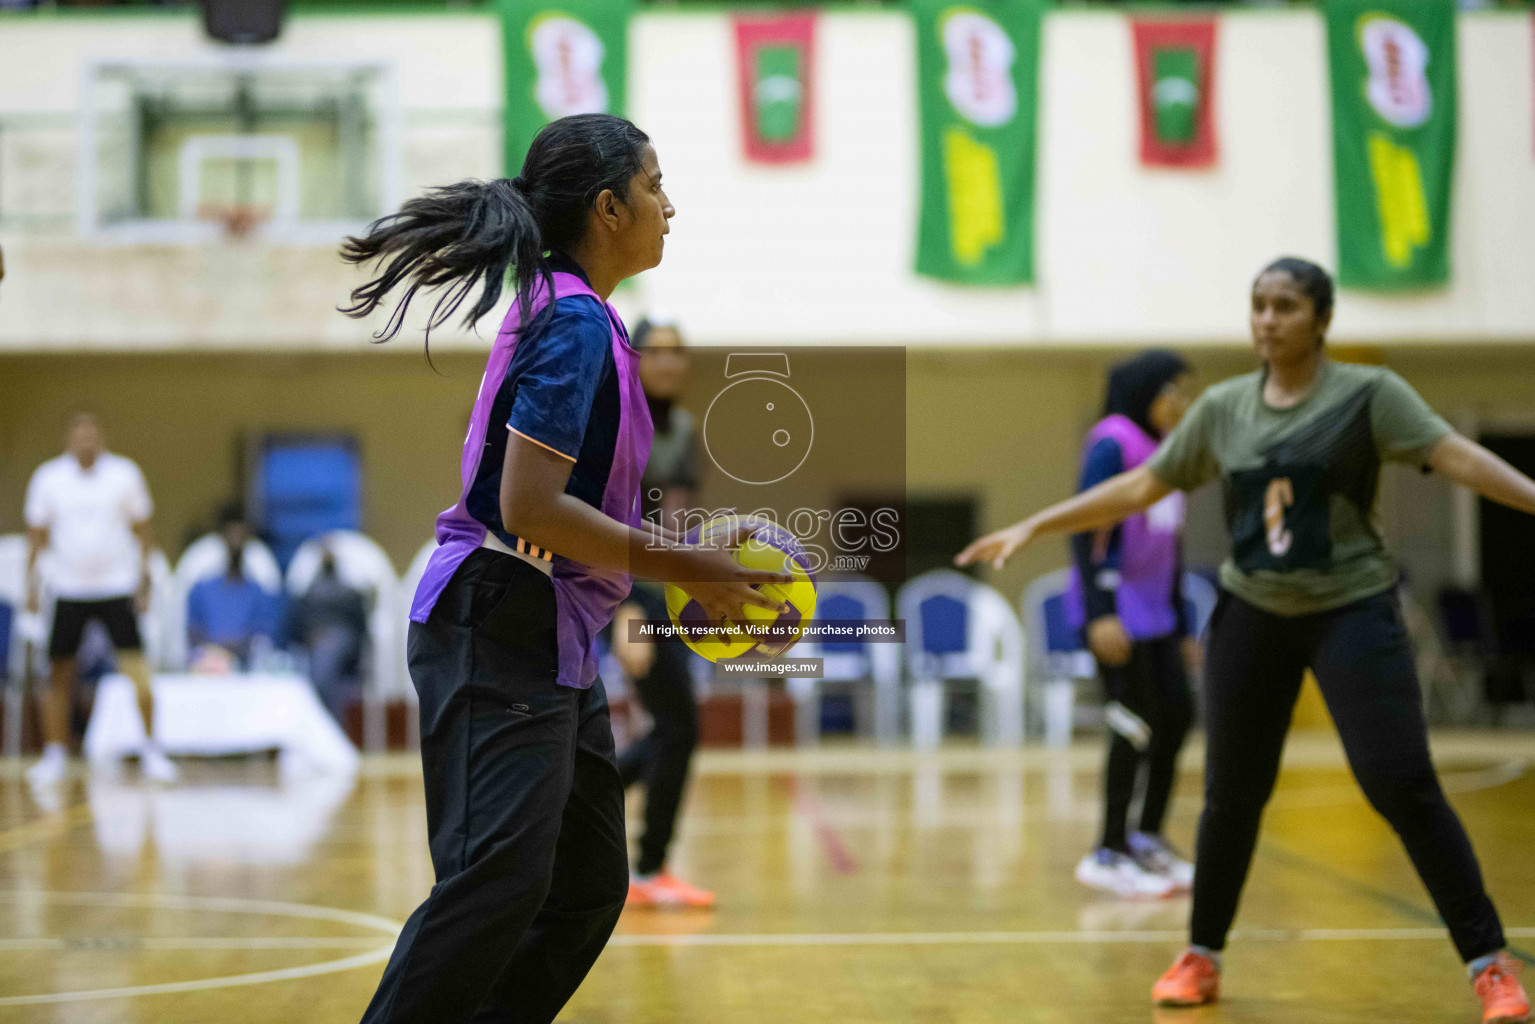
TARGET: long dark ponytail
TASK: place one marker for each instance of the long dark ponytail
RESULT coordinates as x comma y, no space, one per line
469,234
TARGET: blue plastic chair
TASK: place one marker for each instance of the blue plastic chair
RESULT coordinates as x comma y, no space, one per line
850,598
960,628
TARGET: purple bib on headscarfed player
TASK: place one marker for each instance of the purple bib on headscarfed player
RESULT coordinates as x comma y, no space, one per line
585,598
1148,546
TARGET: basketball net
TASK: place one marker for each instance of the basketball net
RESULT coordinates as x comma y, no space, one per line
239,219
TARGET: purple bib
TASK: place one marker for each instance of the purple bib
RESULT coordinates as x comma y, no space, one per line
585,598
1148,546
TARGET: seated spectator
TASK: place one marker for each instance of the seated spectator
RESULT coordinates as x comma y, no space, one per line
230,617
330,622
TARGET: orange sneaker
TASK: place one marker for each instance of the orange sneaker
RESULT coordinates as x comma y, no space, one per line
1503,998
664,889
1192,980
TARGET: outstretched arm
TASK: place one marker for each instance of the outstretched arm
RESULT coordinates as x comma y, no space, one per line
1470,465
1108,503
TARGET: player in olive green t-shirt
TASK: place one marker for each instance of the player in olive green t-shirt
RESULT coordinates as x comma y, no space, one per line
1298,447
1300,481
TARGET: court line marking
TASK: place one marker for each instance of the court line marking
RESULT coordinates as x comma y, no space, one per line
1404,906
215,904
301,910
804,802
1457,783
1497,775
201,984
1039,938
859,818
136,943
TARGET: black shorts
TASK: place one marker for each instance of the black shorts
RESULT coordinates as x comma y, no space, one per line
115,613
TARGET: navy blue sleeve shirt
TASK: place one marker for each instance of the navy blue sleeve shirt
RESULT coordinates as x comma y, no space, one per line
560,391
554,378
1096,553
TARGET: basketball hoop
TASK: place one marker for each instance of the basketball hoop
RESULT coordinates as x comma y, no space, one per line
239,219
312,145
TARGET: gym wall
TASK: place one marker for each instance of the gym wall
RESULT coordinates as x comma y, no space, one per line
1001,426
820,254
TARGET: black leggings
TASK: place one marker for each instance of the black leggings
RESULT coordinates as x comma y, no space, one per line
1149,712
661,759
1363,663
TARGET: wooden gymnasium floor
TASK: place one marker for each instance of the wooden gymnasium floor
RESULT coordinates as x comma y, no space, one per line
855,887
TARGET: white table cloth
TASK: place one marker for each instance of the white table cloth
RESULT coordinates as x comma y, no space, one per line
216,715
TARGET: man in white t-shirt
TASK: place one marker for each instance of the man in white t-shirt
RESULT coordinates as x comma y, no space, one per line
90,509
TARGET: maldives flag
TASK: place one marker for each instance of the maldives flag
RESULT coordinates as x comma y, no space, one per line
1175,72
775,59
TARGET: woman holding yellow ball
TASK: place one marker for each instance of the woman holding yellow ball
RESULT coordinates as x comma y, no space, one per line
525,807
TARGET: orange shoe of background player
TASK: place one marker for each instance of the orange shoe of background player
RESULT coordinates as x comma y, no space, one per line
1192,980
1503,998
664,889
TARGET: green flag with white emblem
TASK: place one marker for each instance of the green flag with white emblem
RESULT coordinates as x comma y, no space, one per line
562,57
978,70
1393,99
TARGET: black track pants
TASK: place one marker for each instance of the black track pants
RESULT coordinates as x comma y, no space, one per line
662,758
524,808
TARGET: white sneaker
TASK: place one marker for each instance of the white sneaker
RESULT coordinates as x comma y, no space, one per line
156,766
50,770
1153,854
1119,874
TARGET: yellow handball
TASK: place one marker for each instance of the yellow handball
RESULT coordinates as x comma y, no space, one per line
773,549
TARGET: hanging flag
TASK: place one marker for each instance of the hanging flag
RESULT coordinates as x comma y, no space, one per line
978,70
1393,121
1175,70
562,57
775,72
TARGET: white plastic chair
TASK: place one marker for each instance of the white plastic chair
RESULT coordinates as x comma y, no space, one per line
13,592
408,584
13,558
205,558
1057,659
362,564
959,628
154,624
850,598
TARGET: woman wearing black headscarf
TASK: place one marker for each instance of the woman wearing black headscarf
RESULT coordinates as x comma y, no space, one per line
1126,597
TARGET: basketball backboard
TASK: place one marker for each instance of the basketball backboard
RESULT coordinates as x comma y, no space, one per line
183,151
